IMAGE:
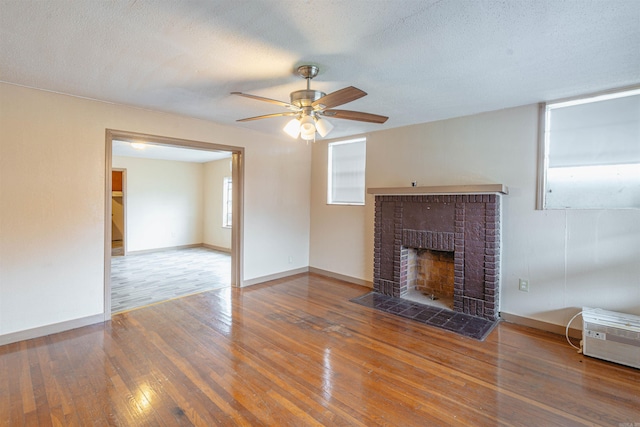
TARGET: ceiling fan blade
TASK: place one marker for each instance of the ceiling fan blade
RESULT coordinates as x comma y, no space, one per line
339,97
355,115
267,116
260,98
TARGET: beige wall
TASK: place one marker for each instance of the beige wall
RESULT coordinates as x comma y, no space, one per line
52,200
214,233
165,206
174,203
571,258
52,163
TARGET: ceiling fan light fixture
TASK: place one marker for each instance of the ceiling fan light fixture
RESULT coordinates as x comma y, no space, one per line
307,125
308,136
323,126
292,128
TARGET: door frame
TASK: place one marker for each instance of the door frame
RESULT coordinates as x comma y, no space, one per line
237,220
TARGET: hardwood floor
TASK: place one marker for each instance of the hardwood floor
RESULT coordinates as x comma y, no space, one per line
297,352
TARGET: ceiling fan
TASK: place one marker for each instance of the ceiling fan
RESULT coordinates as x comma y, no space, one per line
310,107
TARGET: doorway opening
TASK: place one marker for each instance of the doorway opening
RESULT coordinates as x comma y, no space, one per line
161,214
118,206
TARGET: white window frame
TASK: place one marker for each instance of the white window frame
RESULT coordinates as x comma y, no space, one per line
227,201
544,142
330,175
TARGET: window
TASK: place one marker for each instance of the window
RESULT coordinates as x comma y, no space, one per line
347,160
227,202
591,153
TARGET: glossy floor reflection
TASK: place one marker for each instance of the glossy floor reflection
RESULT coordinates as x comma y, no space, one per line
297,352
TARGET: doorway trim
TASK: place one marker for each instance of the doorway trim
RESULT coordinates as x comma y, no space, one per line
237,175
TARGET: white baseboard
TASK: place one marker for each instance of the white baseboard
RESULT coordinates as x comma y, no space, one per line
168,248
342,277
538,324
173,248
275,276
216,248
50,329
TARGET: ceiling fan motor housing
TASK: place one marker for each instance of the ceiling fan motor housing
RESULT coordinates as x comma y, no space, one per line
304,98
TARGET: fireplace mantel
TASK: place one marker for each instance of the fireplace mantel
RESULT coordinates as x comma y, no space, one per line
442,189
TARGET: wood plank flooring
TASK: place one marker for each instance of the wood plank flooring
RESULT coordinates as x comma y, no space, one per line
296,352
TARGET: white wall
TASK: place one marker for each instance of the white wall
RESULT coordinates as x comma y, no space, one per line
52,200
214,233
52,213
280,206
571,258
173,203
164,202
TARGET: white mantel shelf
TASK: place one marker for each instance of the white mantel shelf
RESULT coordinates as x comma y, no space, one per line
442,189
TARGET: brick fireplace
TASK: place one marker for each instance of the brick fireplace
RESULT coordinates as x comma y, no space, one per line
465,225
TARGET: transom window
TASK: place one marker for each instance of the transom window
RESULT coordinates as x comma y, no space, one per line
591,152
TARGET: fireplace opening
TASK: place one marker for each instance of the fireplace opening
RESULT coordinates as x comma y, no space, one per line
430,277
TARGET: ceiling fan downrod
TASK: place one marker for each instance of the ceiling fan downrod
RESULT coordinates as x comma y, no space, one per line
304,98
308,72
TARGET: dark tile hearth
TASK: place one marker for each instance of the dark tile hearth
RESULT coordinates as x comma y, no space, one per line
464,324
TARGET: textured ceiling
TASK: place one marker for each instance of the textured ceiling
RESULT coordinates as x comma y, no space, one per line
165,152
419,60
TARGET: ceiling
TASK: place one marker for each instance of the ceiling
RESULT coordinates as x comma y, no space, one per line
149,150
419,60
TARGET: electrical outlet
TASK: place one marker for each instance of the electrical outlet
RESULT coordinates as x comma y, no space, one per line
290,260
523,285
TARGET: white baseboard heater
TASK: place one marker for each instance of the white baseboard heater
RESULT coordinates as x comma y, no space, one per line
611,336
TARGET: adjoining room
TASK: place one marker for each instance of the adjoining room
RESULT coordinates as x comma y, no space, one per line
171,217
